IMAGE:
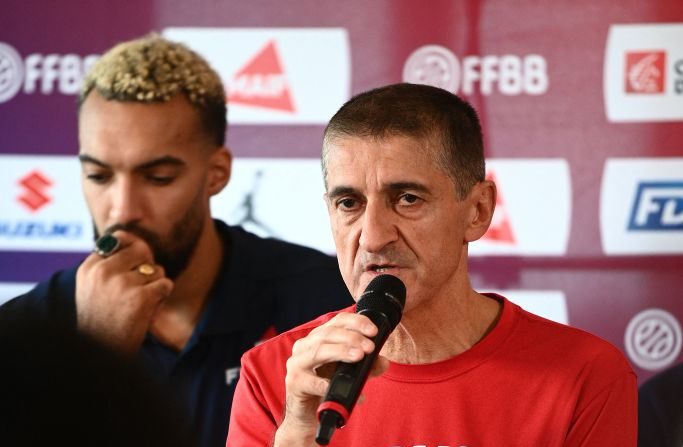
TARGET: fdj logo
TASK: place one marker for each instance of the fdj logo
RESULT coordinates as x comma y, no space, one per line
658,206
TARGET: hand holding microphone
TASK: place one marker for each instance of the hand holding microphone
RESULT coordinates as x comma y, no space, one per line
350,341
382,302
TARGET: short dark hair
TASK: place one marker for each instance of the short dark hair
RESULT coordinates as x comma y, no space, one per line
154,69
422,112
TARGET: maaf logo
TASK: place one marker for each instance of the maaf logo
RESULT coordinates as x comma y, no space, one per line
276,75
262,82
34,186
657,206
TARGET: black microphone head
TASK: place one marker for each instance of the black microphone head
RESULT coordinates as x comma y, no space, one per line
385,294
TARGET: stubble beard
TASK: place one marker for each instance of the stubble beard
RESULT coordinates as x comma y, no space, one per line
173,252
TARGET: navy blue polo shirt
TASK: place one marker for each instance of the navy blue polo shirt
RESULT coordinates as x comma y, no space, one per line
263,285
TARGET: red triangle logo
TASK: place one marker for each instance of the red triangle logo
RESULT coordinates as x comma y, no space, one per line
500,230
262,82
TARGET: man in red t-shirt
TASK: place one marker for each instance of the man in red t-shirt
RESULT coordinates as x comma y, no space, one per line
406,193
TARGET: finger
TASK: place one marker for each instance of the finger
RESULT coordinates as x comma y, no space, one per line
135,251
315,361
303,382
160,288
331,333
147,272
353,321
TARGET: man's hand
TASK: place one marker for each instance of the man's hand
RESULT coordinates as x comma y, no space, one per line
116,296
345,338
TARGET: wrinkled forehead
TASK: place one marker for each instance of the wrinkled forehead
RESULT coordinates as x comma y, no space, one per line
345,148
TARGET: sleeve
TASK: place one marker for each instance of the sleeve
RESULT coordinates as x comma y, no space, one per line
251,421
608,418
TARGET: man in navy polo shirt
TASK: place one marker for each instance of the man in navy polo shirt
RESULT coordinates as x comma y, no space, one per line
185,293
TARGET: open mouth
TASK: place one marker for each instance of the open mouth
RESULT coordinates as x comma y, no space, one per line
382,268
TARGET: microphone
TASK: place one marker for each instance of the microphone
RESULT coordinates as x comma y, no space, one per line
382,302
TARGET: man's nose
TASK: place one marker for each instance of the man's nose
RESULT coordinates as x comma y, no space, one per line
126,202
379,227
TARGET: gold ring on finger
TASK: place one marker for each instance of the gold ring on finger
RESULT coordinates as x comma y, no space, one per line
146,269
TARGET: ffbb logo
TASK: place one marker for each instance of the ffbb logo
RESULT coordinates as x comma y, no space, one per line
44,73
645,72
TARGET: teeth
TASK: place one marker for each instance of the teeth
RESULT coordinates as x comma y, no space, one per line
381,269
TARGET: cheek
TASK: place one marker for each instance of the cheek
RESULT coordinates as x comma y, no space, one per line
96,201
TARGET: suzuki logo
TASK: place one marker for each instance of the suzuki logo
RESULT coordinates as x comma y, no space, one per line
34,185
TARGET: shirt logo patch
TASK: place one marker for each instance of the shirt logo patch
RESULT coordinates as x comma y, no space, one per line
231,375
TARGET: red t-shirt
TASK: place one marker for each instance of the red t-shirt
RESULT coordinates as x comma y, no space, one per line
529,382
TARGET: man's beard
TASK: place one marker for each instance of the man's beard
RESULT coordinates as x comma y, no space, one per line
174,252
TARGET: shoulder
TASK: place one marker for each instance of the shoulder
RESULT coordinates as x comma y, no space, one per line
276,256
569,345
274,352
53,297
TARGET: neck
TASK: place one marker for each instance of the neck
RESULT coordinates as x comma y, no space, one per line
448,322
178,315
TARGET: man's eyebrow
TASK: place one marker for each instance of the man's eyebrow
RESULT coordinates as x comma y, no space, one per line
394,186
400,186
340,191
165,160
88,159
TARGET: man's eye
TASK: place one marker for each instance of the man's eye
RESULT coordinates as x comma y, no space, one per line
408,199
347,204
160,179
97,177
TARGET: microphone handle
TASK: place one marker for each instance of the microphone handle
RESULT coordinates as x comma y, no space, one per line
347,382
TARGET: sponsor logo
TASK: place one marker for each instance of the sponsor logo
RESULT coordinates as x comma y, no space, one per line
515,229
276,75
43,209
33,196
231,375
643,73
658,206
641,206
262,82
653,339
41,73
501,227
11,72
507,74
259,200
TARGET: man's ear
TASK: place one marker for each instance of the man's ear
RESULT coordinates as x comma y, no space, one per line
482,200
220,168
